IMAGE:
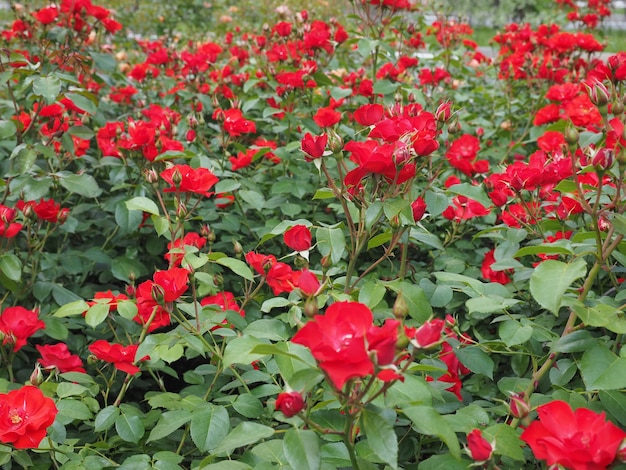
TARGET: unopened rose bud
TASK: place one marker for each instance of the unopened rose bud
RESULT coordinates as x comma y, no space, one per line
177,178
289,403
444,112
479,448
335,142
208,233
158,293
191,135
400,307
92,359
520,408
311,307
150,175
326,262
571,135
237,248
598,93
181,211
454,127
617,107
36,377
603,160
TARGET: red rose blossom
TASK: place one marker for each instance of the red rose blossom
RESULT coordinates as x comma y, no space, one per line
25,414
185,179
313,146
57,356
326,117
18,324
577,440
122,357
298,238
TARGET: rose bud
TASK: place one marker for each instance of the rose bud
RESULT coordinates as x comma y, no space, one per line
519,406
289,403
443,112
603,160
419,209
480,449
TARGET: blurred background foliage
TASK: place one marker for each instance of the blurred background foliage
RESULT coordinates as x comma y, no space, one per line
201,18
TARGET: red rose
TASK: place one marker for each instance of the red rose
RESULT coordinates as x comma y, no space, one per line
337,341
24,416
146,305
313,146
369,114
46,15
57,356
46,210
326,117
383,341
8,228
174,282
185,179
289,403
480,448
419,209
577,440
307,282
491,275
298,238
18,324
122,357
428,335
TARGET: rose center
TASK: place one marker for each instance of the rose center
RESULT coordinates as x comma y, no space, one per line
15,417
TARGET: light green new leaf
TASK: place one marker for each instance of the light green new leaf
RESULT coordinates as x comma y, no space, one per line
427,421
70,309
551,279
237,266
144,204
302,449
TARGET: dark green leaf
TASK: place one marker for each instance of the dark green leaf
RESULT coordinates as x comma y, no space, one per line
551,279
378,426
209,426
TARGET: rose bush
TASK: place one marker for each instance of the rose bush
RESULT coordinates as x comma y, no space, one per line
311,244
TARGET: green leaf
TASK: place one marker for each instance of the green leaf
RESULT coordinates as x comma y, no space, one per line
129,427
247,405
7,129
331,242
476,193
81,132
378,426
209,426
427,421
578,341
144,204
243,434
237,266
385,87
372,294
548,249
443,462
302,449
11,266
513,333
507,441
225,464
106,418
551,279
602,315
84,185
71,309
476,360
602,370
169,422
239,351
489,304
86,103
96,314
419,307
324,193
269,328
615,404
48,87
